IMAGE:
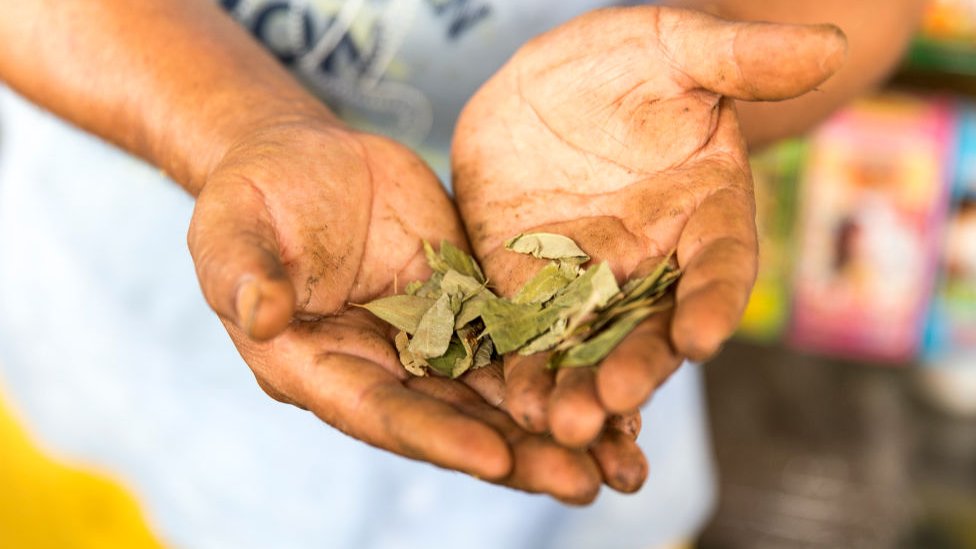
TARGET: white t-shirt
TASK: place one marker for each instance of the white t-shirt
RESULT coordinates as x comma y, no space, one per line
111,355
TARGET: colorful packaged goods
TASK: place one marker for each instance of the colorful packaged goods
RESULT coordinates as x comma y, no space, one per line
775,172
951,330
873,199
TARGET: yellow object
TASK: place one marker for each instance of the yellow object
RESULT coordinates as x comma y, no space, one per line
44,503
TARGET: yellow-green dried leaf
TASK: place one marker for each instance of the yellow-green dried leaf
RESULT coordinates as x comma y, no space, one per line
595,349
413,287
402,311
547,340
652,304
434,259
544,285
472,308
663,273
461,262
570,270
591,291
434,330
446,364
512,325
455,282
548,246
432,287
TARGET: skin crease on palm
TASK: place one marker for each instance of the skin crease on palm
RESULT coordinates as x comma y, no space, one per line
275,226
618,130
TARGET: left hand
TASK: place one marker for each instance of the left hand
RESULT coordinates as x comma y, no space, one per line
617,129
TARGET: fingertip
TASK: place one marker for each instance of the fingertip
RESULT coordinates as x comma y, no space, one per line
494,461
704,320
581,498
489,383
528,411
583,480
629,375
779,61
628,424
621,394
576,416
264,307
540,465
835,47
576,429
622,463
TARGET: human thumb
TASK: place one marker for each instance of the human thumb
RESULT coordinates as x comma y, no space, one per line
751,61
234,248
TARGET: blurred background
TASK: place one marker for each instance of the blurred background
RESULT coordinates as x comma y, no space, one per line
844,414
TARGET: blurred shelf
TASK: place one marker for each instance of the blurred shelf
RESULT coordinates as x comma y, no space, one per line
826,453
947,66
945,56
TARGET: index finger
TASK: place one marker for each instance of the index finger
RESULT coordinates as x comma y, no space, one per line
718,253
637,366
363,400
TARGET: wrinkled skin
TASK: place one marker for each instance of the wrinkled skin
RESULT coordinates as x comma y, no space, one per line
302,218
618,130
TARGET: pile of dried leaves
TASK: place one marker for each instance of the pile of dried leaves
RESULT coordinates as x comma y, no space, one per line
453,322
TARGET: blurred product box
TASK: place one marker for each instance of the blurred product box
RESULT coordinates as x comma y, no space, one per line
775,172
872,204
952,320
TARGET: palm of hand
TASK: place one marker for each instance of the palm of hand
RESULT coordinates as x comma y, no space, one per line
276,226
632,151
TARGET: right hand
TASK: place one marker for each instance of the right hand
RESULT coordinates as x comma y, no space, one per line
618,129
303,217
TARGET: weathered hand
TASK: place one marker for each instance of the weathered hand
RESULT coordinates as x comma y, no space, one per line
302,218
617,129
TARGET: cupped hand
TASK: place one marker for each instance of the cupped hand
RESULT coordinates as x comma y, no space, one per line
619,130
303,218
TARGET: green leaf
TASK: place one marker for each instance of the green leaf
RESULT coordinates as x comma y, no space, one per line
595,349
434,259
460,261
413,287
547,340
652,304
471,309
547,246
431,288
591,291
402,311
462,285
512,325
434,330
544,285
570,270
445,364
579,315
663,274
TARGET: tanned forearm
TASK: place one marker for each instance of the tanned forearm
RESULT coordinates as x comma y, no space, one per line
175,81
878,31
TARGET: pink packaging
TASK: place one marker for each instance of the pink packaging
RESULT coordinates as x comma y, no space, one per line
872,203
